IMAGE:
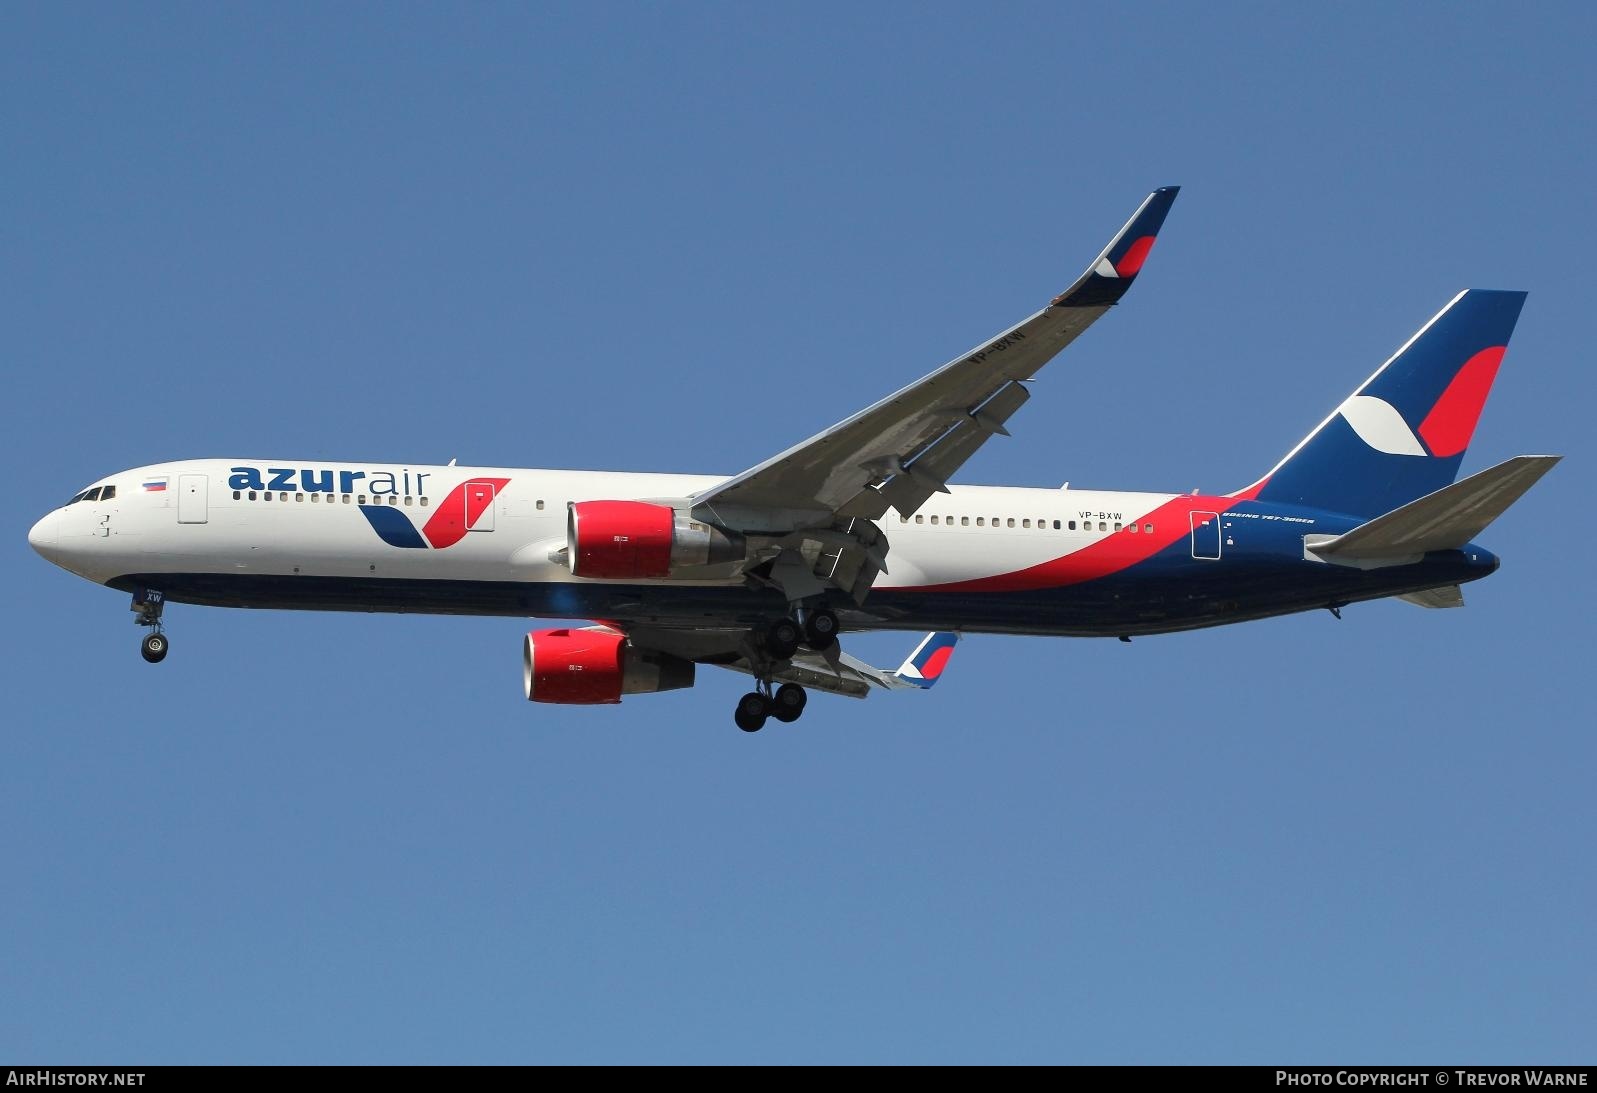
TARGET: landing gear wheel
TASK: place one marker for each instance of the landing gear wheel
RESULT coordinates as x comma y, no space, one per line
752,710
788,702
820,630
782,638
153,648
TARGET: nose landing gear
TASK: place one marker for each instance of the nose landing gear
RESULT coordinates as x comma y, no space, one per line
148,604
153,647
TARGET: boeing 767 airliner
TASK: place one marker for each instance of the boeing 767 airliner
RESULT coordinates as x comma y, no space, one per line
857,528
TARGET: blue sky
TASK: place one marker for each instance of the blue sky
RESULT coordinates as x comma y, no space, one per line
682,237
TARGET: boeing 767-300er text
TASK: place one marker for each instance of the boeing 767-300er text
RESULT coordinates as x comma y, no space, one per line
857,528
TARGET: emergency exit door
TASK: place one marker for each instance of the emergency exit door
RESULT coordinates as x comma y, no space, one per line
1206,535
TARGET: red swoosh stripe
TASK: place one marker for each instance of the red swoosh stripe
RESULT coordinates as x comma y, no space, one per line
1113,554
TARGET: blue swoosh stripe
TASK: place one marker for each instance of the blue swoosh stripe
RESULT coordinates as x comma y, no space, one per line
393,526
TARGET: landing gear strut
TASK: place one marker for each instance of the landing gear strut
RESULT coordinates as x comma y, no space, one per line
148,604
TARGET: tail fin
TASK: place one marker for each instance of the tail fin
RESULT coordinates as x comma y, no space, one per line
1403,434
923,667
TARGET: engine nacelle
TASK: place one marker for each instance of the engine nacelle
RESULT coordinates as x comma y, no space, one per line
626,540
587,667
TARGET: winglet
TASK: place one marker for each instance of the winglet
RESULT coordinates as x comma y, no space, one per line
925,665
1108,278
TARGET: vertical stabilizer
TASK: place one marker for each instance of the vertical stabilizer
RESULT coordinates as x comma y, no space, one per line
1403,434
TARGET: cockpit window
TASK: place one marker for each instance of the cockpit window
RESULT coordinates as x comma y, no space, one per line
96,493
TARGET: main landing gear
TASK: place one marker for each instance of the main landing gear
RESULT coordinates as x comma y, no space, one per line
815,629
148,604
785,704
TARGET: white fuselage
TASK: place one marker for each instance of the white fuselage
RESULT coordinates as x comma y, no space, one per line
188,517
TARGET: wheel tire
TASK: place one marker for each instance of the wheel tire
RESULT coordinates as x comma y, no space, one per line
782,638
154,647
820,630
788,702
752,710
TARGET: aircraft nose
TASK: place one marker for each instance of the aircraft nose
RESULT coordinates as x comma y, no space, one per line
42,536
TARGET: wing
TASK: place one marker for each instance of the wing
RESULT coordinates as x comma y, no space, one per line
834,671
902,450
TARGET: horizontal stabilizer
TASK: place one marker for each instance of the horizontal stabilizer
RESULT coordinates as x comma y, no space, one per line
1444,520
1449,595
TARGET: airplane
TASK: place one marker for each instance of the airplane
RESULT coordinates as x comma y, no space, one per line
858,528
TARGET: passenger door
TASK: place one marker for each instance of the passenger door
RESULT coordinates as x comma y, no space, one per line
191,502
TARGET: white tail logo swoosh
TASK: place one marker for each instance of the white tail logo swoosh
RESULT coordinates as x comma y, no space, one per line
1380,426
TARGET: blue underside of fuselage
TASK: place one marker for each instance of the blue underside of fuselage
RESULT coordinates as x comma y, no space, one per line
1167,592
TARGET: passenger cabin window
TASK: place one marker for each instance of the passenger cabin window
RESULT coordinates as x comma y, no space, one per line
981,521
540,506
934,520
919,519
1147,528
964,521
1012,521
1072,525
